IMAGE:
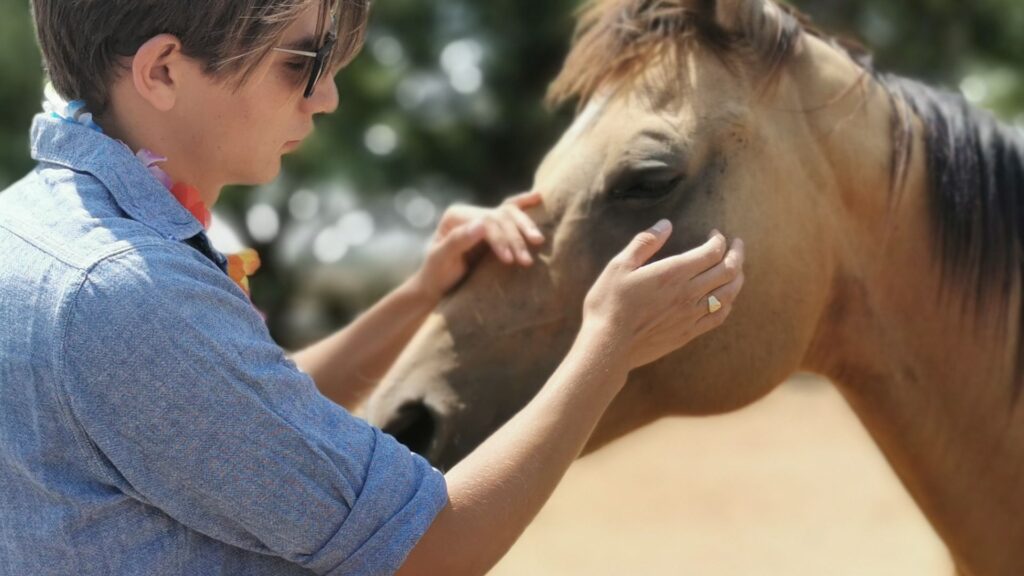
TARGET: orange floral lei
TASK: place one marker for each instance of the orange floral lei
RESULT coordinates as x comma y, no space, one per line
241,265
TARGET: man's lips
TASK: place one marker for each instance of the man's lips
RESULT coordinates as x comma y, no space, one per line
297,142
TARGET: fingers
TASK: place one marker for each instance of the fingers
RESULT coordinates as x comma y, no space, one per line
693,263
526,226
506,228
645,245
726,295
513,208
515,242
463,238
496,237
509,229
730,267
455,216
525,200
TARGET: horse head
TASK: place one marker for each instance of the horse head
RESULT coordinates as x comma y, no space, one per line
693,111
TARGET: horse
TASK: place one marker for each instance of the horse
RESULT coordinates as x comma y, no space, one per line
884,226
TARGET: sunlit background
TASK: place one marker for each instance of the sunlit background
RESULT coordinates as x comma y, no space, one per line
445,105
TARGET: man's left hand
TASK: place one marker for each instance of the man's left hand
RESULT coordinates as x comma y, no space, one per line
464,229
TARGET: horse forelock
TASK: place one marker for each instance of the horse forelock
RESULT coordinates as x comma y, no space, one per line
617,40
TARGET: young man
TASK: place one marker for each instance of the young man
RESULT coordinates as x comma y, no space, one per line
149,424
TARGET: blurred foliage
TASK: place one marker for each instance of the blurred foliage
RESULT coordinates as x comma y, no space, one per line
445,104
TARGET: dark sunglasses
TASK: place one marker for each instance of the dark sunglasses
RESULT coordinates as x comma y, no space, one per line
321,58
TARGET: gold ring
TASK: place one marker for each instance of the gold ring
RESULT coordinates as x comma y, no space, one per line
714,305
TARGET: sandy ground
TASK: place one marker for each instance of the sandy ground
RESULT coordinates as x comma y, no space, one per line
792,486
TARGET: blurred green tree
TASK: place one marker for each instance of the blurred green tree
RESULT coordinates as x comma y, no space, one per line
20,88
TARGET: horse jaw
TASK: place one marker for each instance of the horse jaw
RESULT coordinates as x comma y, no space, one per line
480,357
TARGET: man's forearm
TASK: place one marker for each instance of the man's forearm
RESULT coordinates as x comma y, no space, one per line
347,365
498,489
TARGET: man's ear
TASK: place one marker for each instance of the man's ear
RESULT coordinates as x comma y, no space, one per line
156,71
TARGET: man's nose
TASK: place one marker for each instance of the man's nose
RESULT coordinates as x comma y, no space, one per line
324,99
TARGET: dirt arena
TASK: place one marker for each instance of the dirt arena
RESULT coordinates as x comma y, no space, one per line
790,486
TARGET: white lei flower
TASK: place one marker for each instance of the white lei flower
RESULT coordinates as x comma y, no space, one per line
73,111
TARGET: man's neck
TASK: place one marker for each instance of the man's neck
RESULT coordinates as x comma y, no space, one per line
137,138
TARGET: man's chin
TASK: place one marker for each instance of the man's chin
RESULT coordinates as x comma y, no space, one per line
261,174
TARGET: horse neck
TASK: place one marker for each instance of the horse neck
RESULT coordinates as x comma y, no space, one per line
932,383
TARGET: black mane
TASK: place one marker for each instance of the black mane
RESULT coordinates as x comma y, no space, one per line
975,173
976,176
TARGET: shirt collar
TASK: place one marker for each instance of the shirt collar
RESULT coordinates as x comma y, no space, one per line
135,190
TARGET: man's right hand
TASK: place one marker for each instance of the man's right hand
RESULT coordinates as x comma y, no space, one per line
657,308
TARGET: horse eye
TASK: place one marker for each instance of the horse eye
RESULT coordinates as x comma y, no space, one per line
645,189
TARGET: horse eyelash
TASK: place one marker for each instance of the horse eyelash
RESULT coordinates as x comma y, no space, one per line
659,189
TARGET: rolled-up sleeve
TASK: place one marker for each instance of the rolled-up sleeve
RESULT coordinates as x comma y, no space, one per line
188,405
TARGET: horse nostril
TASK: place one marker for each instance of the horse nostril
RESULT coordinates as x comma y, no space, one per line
414,425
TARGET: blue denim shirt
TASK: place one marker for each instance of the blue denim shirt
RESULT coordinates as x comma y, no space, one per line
148,422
